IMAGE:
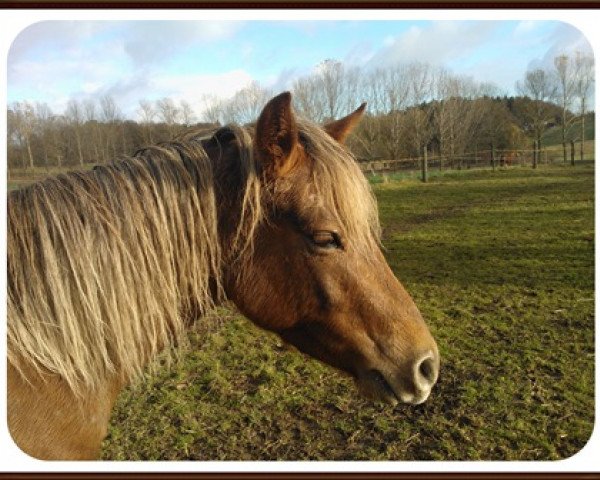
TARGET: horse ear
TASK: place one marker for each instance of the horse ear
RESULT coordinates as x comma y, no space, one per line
340,129
277,136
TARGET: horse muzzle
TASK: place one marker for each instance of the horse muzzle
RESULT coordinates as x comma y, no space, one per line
412,383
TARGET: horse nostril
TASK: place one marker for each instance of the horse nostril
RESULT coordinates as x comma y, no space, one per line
426,369
426,372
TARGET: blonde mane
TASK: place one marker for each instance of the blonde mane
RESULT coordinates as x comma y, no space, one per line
108,267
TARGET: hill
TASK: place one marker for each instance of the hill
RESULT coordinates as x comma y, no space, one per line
554,136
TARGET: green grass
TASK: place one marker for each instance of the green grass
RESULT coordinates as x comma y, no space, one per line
501,265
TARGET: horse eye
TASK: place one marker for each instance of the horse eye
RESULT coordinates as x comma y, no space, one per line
326,239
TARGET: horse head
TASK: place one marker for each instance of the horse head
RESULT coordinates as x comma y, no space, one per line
315,273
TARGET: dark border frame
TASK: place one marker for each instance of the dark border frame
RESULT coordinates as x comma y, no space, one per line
302,4
303,476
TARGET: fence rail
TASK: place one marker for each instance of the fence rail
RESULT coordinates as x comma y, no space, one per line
18,176
491,158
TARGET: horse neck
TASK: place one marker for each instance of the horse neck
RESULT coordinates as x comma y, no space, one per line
238,194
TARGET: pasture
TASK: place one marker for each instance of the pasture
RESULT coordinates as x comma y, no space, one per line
501,265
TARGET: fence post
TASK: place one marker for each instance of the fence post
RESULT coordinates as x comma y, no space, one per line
535,154
572,152
424,165
493,156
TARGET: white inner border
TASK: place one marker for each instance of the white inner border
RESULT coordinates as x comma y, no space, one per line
14,21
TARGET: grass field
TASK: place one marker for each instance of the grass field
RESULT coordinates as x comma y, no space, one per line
501,265
20,177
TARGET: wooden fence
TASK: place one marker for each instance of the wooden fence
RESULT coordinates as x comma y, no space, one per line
491,158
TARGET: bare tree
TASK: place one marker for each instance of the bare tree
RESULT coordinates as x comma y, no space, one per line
212,109
404,128
330,75
187,113
445,112
411,106
109,109
373,90
330,91
364,141
420,85
147,114
111,115
90,115
245,106
89,110
308,99
397,82
169,113
74,114
386,91
454,114
353,94
540,87
45,130
146,111
584,79
24,124
565,90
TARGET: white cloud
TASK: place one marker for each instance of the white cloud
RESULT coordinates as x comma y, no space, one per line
53,81
151,42
360,54
524,28
52,35
53,60
284,80
389,41
436,43
141,39
566,39
44,73
47,81
91,87
193,87
129,90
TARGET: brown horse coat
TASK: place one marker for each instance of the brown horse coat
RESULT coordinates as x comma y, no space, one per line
107,268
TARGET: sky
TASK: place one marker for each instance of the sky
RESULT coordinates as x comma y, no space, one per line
54,61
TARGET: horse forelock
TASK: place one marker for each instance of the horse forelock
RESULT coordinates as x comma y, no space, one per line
342,187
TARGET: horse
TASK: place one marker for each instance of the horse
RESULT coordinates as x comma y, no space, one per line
109,267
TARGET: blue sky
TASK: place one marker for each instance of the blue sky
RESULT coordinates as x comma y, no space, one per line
53,61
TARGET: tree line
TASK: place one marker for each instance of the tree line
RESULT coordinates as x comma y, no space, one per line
88,131
411,108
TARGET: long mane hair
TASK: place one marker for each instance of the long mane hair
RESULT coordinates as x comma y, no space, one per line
107,267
